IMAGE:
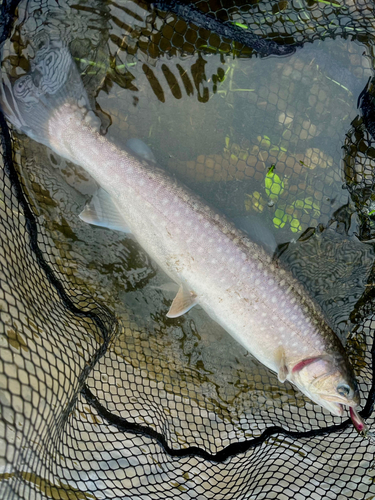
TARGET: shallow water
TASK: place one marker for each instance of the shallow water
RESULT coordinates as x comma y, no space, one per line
253,136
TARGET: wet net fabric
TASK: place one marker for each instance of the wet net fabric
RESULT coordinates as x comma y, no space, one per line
100,396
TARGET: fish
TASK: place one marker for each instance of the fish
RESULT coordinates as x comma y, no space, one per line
215,264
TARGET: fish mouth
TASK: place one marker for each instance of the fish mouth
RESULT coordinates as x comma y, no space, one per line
331,403
336,409
335,400
333,406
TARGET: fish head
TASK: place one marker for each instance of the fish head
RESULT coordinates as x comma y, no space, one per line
328,381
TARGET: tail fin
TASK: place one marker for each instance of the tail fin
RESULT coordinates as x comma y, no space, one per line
53,80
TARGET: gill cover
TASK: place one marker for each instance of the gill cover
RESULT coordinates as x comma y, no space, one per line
328,381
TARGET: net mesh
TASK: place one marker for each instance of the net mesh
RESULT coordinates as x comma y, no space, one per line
101,395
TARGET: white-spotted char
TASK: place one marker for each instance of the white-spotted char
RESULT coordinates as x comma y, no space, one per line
215,265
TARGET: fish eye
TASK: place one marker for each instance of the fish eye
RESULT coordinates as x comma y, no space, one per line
19,84
344,390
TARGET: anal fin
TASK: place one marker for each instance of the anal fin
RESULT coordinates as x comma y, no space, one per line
182,303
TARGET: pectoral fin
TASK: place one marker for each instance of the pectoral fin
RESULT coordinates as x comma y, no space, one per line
141,149
283,369
182,303
101,211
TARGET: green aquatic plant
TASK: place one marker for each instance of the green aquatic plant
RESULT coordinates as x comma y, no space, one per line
255,202
273,185
240,25
289,208
281,218
308,204
333,4
101,66
232,50
289,213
